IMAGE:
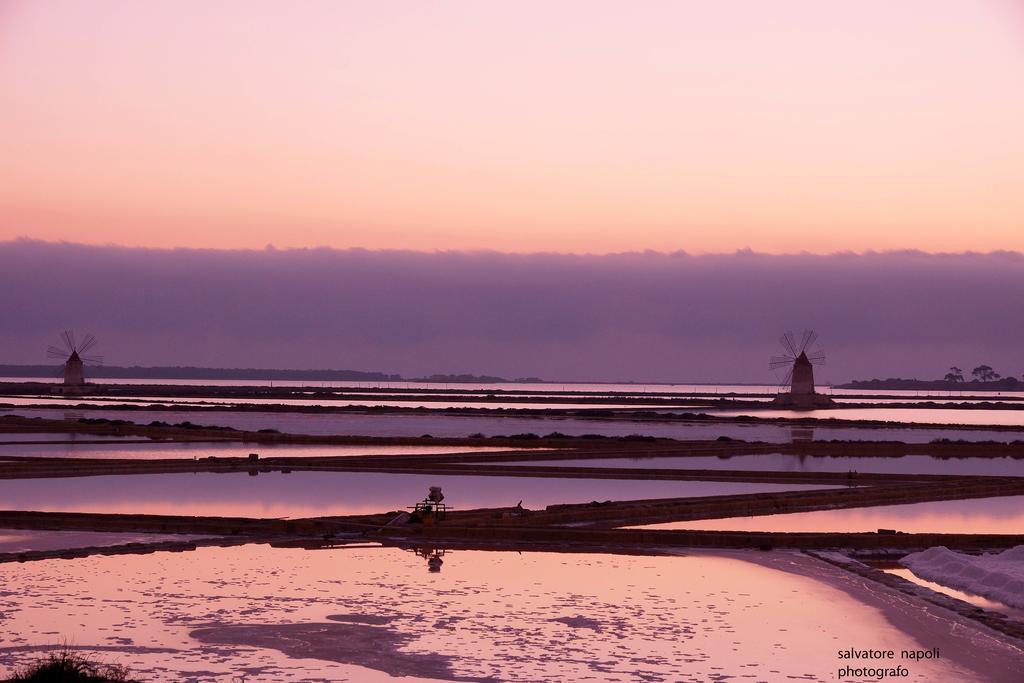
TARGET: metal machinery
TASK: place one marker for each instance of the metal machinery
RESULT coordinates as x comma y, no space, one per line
432,508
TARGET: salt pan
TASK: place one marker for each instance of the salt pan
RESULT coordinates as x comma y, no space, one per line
997,576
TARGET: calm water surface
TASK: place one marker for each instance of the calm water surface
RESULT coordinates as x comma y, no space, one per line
511,616
411,402
310,494
204,449
20,437
543,387
1004,515
632,388
466,425
778,462
949,416
21,540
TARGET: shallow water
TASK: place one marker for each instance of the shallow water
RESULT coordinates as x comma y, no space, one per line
970,598
679,404
540,387
950,416
21,540
779,462
466,425
633,388
21,437
412,402
511,616
309,494
1004,515
204,449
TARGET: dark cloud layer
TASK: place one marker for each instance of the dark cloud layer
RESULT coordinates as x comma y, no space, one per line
641,316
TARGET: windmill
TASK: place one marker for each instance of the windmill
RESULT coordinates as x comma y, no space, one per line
795,368
75,356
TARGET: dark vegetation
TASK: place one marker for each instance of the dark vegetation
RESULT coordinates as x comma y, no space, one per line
65,666
158,423
489,379
983,378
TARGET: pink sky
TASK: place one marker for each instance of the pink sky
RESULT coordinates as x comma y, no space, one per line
521,126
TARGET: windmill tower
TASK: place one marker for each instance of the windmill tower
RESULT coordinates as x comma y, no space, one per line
75,356
796,368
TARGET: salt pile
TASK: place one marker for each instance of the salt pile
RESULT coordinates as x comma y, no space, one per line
998,576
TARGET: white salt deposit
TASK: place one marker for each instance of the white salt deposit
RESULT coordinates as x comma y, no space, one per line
997,576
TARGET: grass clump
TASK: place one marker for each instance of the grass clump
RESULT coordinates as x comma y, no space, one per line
65,666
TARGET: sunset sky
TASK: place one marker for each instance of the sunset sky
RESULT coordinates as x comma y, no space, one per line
578,127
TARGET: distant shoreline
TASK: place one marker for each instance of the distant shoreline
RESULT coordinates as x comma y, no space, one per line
898,383
328,375
324,375
258,374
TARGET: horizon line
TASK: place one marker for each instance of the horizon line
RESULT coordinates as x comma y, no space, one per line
678,253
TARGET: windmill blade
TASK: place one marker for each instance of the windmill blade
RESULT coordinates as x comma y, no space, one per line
810,336
56,352
69,340
95,360
817,358
789,344
776,362
787,379
87,343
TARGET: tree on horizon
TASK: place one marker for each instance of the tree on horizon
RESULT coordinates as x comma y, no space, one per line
955,374
985,373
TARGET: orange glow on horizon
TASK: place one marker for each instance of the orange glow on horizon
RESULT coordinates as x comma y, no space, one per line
579,127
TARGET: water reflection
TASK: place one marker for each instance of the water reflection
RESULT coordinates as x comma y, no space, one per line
156,450
440,425
432,556
1004,515
20,438
950,416
970,598
632,389
20,540
785,462
798,434
199,403
494,615
310,494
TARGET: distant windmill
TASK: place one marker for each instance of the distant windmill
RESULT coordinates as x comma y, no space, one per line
75,356
795,367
